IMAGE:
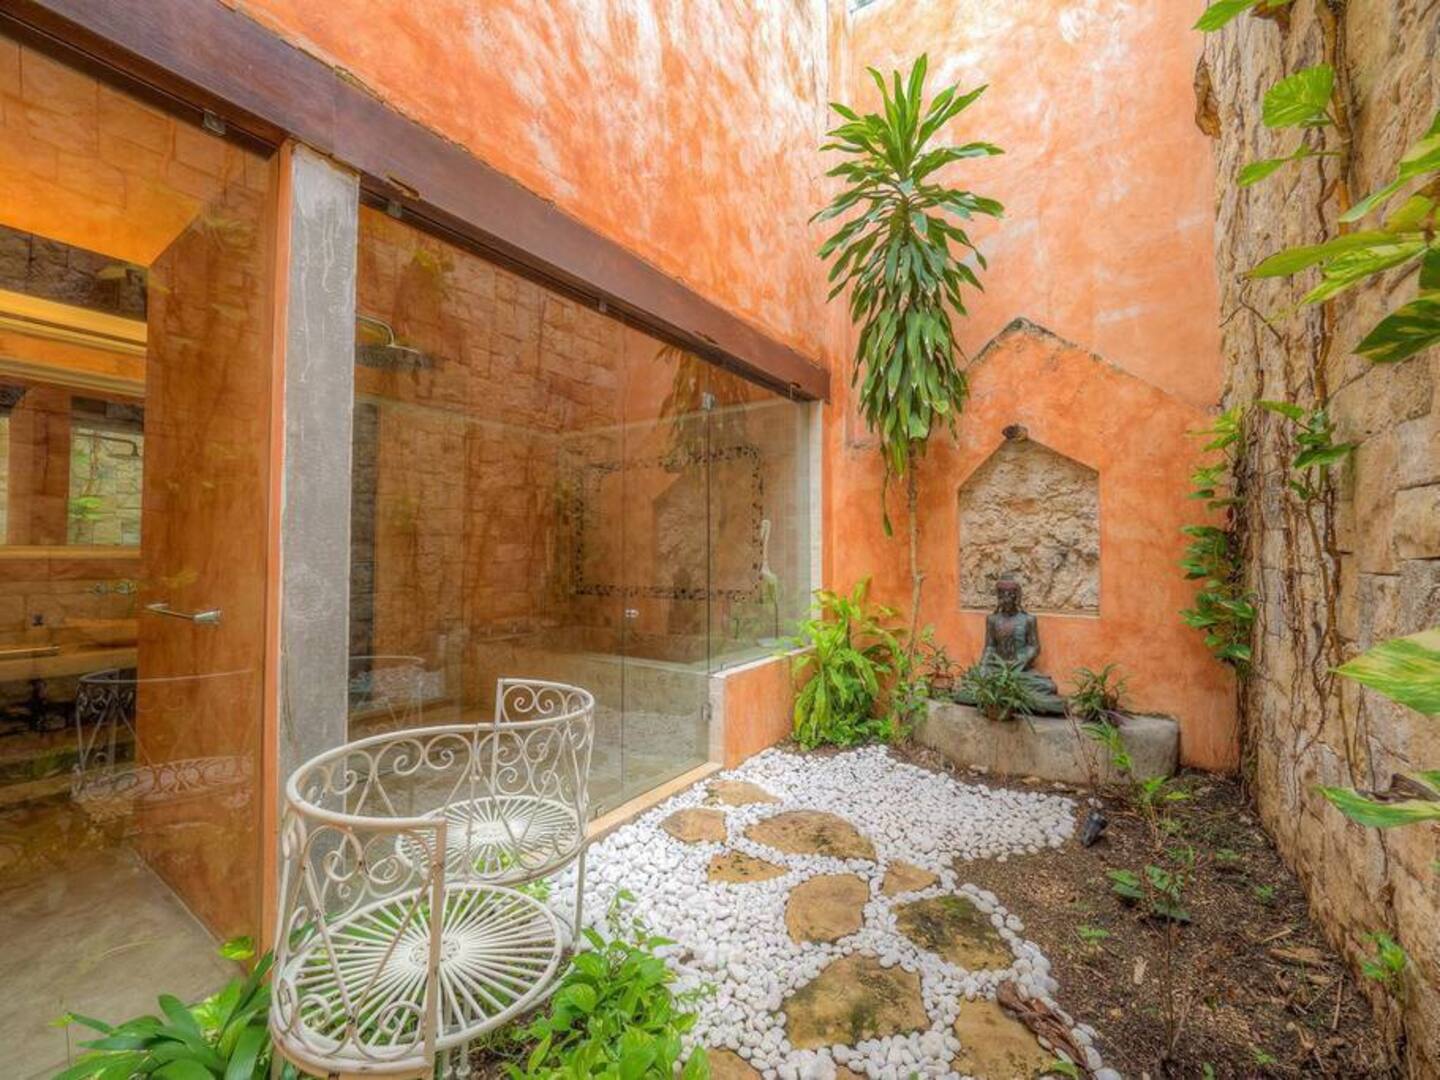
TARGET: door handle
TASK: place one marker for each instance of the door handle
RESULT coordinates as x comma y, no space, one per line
203,618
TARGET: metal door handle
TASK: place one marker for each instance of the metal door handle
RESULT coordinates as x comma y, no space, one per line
204,618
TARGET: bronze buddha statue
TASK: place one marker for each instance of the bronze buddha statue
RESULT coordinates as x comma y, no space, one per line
1012,637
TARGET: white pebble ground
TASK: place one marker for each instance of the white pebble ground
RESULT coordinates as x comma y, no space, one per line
732,937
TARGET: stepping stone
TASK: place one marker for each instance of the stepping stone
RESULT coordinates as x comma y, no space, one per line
696,826
811,832
728,1065
956,930
826,908
842,1073
903,877
736,866
855,998
996,1046
738,793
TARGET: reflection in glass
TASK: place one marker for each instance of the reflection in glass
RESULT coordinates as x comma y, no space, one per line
135,269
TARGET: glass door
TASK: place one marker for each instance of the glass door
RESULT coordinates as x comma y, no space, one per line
136,262
666,546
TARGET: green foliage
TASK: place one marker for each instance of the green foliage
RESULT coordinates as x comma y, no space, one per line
904,255
1000,691
1092,935
1406,670
1097,696
1223,11
224,1037
1264,893
1160,890
1301,99
1387,966
1108,735
613,1013
1405,238
849,651
1223,609
1317,451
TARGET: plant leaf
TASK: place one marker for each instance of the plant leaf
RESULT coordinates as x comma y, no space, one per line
1300,99
1405,331
1406,670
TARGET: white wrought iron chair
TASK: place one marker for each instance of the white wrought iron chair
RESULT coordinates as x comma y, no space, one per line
382,834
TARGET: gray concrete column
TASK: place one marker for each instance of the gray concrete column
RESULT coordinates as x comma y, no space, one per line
319,333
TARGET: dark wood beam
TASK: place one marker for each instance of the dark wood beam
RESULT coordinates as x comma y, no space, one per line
204,56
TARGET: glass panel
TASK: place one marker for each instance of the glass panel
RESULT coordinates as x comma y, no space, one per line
135,270
760,492
665,570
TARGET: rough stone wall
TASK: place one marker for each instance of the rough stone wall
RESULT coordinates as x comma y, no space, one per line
1379,567
1033,513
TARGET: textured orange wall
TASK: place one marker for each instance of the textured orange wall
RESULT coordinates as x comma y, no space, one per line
685,131
1108,189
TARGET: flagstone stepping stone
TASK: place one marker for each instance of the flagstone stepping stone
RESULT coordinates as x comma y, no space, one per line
996,1046
826,908
728,1065
811,832
903,877
736,866
738,793
696,826
855,998
956,930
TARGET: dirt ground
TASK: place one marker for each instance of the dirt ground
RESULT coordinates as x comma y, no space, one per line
1257,989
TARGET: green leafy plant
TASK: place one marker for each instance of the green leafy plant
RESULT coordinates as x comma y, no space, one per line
999,691
1387,965
1108,736
1316,449
1301,100
1222,11
906,261
1092,936
226,1036
1098,696
1160,890
849,651
613,1013
1264,893
1223,610
1406,670
1406,237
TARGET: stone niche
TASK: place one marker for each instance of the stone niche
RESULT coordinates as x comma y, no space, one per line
1033,513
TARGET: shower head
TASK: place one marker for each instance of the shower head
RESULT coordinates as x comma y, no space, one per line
387,354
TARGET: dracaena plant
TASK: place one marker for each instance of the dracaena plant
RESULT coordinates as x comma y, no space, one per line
906,259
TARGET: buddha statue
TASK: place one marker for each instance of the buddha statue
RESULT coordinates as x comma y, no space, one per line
1012,637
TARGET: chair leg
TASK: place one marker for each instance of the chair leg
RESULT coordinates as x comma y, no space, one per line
579,896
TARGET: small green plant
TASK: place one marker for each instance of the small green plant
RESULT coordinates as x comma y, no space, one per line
1261,1056
613,1013
849,651
1098,696
1317,449
1387,966
1063,1067
1222,11
1264,893
1108,736
1159,890
1223,609
224,1037
999,691
1092,936
1226,858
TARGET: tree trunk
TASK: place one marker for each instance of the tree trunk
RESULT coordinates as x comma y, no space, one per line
917,576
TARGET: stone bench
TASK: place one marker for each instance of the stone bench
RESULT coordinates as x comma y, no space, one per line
1050,747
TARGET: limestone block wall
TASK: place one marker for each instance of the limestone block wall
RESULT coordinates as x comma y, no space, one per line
1382,576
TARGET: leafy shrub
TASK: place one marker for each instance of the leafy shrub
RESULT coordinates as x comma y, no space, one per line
1387,966
225,1036
1000,691
1099,696
614,1014
850,649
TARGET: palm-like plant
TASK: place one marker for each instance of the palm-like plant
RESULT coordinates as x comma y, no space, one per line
904,255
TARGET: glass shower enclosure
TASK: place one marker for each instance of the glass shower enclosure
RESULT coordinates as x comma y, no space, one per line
541,490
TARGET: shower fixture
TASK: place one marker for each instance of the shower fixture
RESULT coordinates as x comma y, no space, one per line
388,355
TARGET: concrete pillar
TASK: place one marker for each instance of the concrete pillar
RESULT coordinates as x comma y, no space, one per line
319,395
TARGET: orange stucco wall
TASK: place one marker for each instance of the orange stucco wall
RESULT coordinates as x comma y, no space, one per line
1106,244
685,131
